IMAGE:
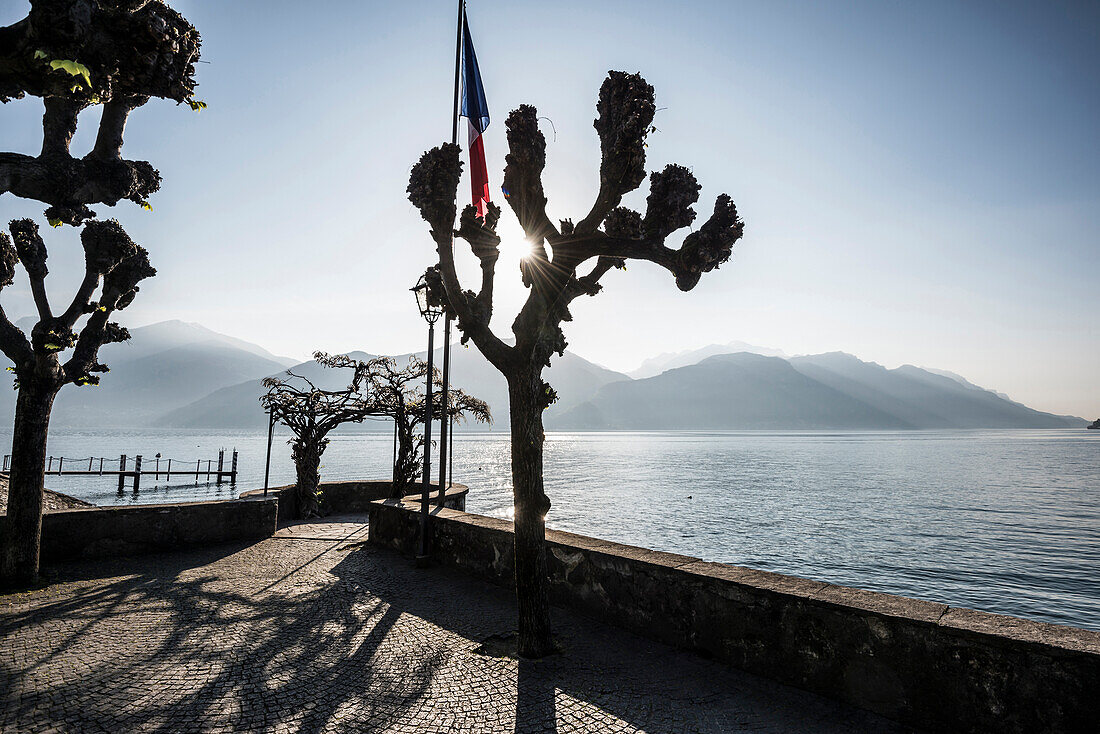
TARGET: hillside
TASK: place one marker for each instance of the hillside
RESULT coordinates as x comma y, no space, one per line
671,360
162,367
830,391
919,397
238,406
182,375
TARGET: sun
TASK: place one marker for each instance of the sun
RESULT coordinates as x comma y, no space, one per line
516,248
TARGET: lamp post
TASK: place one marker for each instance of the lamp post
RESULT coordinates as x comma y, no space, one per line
431,308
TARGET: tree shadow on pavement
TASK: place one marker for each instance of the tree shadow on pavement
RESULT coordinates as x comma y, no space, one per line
304,635
175,645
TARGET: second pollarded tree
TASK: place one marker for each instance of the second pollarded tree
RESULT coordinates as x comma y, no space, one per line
607,236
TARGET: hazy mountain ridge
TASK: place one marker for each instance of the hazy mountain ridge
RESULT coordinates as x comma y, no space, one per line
831,391
182,375
238,406
921,397
161,367
727,391
671,360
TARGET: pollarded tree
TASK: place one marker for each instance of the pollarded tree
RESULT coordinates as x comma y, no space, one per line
608,235
311,413
74,54
398,393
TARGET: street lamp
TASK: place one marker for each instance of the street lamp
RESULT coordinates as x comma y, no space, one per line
431,308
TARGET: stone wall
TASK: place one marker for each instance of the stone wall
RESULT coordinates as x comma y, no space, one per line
111,531
926,664
354,497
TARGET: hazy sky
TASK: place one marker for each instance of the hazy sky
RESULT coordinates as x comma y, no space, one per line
920,181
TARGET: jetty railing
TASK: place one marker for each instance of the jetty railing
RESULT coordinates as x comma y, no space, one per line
102,466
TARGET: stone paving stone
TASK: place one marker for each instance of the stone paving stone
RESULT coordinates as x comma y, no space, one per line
316,631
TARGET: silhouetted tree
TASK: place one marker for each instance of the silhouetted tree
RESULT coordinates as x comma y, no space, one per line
609,234
398,393
73,54
311,413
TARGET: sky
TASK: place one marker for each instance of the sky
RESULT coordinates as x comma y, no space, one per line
920,182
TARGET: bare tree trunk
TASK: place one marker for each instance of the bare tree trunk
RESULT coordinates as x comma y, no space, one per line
19,563
307,460
408,465
531,505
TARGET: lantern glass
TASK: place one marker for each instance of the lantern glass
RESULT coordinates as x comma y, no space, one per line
424,301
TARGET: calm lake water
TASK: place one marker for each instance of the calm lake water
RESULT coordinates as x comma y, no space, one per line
1005,521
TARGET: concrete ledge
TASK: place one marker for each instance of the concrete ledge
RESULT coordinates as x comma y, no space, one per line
136,529
352,497
945,669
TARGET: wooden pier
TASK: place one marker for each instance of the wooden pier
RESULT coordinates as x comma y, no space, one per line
60,466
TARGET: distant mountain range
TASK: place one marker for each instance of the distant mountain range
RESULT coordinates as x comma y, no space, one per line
671,360
824,391
160,368
180,375
237,406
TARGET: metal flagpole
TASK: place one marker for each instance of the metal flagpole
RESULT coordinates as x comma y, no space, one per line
444,403
270,435
422,555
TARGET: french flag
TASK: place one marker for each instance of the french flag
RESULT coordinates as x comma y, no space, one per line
476,111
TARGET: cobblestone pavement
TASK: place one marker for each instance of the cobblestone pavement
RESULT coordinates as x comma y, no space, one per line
314,630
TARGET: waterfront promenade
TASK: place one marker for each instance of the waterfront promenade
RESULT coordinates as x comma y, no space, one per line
314,630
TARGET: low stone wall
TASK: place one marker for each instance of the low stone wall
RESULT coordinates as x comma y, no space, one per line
941,668
354,497
111,531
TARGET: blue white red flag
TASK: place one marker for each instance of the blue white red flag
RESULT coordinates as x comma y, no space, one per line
476,112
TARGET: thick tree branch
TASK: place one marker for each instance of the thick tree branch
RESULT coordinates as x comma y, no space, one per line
84,360
432,189
672,193
14,344
32,254
523,174
701,252
70,184
626,109
589,285
481,235
59,125
82,301
41,301
124,264
108,142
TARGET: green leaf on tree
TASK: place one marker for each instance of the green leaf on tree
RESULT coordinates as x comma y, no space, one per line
54,222
75,68
196,104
